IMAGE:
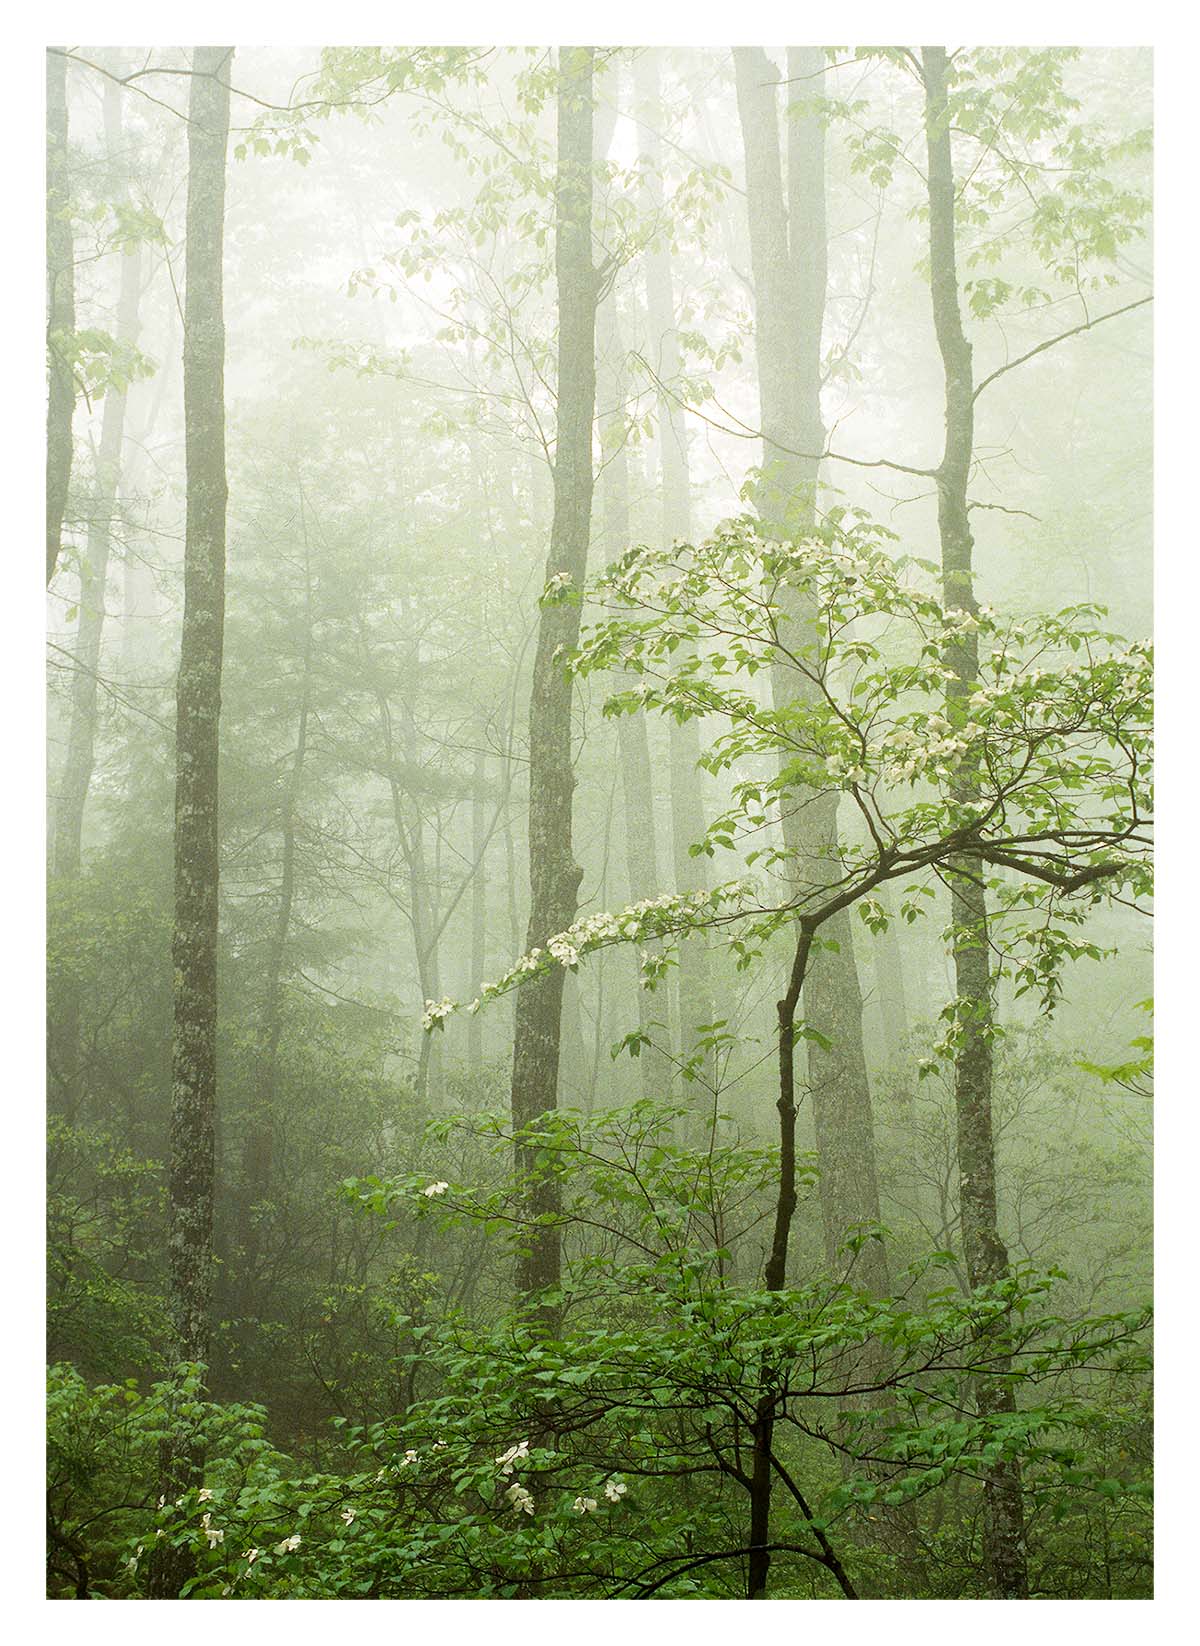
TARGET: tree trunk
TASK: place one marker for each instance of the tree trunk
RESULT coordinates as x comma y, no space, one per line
479,842
637,790
76,779
687,808
60,305
258,1150
197,742
788,263
554,875
985,1253
889,981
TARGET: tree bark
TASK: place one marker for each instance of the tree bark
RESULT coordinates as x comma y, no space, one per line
788,258
197,747
60,305
984,1250
554,875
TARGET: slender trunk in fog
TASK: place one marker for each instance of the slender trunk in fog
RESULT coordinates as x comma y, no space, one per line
983,1248
641,854
258,1151
889,980
479,840
60,305
687,807
76,780
788,260
197,743
554,875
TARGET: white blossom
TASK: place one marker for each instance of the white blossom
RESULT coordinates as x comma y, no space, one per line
435,1189
584,1505
508,1460
615,1490
348,1516
289,1545
520,1499
435,1011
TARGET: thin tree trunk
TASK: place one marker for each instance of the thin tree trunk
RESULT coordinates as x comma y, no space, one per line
197,744
554,875
637,790
60,305
984,1250
479,841
763,1465
687,807
78,768
889,980
258,1150
788,262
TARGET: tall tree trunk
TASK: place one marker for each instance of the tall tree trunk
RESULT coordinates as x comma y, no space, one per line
258,1149
554,875
787,247
889,981
197,747
984,1250
76,779
60,305
637,790
479,842
687,807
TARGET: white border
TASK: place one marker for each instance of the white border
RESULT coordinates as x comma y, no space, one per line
1178,973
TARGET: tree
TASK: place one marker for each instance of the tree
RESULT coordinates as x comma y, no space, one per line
788,258
197,751
60,304
986,1254
697,624
76,779
554,875
687,808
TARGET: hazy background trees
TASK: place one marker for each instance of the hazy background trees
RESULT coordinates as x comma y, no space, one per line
490,317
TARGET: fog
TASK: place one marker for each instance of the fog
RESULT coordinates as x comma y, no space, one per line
599,1037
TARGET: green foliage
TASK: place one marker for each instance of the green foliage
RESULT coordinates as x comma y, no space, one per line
607,1460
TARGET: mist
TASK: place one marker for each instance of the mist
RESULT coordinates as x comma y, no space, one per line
599,1036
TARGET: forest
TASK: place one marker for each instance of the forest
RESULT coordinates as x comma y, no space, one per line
599,1026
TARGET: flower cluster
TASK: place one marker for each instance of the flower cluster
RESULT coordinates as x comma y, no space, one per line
435,1011
507,1461
651,917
